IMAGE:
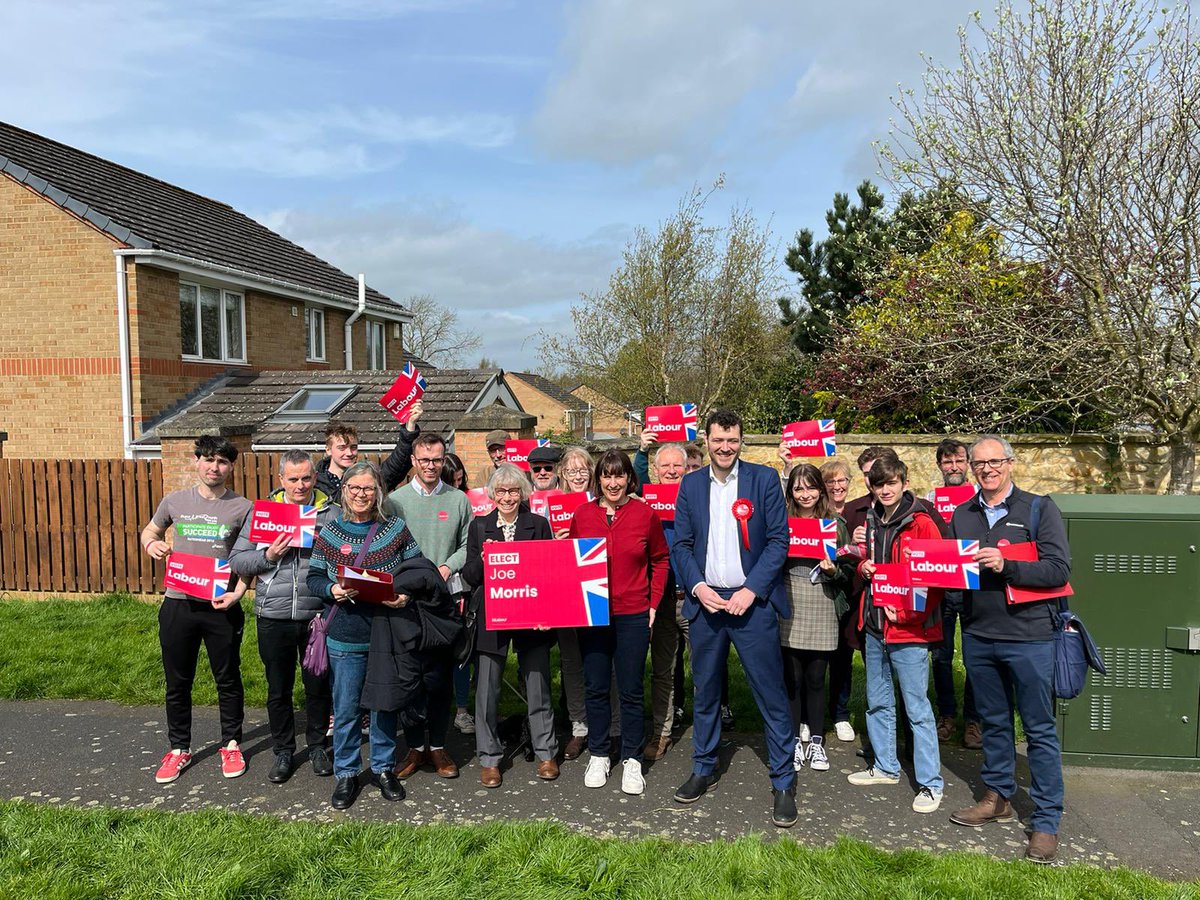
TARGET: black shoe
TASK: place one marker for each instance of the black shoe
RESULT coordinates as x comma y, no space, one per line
693,789
389,786
345,792
784,815
321,763
281,771
726,718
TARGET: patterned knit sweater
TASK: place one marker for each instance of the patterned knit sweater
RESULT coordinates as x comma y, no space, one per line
337,544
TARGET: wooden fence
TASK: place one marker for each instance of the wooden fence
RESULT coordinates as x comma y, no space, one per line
73,526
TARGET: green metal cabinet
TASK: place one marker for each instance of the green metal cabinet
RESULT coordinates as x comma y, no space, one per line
1135,567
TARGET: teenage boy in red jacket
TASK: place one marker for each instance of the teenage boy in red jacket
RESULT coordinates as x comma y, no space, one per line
897,640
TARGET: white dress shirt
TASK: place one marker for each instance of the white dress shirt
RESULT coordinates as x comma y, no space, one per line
440,488
723,558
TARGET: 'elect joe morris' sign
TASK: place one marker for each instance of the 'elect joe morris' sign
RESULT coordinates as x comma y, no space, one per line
555,584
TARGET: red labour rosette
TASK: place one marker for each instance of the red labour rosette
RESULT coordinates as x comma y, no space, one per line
743,509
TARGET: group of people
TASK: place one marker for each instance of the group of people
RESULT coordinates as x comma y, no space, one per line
719,573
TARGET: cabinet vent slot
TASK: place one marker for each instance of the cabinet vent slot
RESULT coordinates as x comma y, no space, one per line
1133,564
1100,713
1135,667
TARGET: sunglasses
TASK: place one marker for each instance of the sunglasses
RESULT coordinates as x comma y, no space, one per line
542,468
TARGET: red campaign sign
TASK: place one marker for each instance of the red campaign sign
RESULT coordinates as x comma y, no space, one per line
662,498
481,503
810,538
517,452
269,519
944,564
369,585
198,576
560,508
812,437
892,586
1027,552
948,499
404,393
677,422
553,584
538,501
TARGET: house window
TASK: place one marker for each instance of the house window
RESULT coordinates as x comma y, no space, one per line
314,403
376,345
314,326
212,323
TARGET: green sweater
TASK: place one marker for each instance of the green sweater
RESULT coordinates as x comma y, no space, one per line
439,523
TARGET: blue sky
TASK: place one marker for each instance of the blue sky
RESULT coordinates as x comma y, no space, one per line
496,155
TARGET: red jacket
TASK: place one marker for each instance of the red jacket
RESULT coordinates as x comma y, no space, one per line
638,560
910,627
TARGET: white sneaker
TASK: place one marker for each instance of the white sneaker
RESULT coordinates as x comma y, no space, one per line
798,756
872,776
464,722
805,734
632,781
844,730
596,774
816,755
927,800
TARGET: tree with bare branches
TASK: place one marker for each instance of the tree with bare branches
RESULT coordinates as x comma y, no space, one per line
435,334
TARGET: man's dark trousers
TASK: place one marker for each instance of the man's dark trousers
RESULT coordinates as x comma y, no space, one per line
281,644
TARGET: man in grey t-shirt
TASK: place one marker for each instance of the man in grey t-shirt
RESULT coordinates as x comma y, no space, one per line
207,518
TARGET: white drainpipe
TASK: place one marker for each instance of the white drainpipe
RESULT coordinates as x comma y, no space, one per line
362,305
123,344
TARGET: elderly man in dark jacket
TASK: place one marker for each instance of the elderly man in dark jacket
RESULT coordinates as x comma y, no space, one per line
1009,648
284,608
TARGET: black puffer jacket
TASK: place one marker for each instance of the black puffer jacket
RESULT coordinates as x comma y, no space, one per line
394,468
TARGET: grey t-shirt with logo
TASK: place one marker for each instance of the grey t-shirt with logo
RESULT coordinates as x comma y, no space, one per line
202,527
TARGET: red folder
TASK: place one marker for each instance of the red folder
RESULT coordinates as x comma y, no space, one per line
1027,552
371,586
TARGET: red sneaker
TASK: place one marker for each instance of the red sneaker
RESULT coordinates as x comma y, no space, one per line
172,764
232,762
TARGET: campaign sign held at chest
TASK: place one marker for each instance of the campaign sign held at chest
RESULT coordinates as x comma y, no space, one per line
812,437
481,503
539,500
661,498
269,519
517,451
948,499
560,508
892,586
555,584
405,391
944,564
676,422
198,576
812,538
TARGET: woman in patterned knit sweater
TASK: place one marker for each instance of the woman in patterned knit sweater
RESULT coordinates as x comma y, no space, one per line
349,635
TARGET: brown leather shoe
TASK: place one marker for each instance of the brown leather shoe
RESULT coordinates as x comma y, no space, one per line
657,748
945,729
412,762
442,761
489,777
992,808
1043,848
973,736
575,746
547,770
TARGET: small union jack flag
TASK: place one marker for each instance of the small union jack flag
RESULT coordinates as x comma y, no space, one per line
410,371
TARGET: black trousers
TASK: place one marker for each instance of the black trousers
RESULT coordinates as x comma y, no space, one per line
437,674
182,626
281,644
804,678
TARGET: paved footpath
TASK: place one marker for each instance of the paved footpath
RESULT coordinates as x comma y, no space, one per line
102,754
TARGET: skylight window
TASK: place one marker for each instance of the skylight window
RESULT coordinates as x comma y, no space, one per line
314,403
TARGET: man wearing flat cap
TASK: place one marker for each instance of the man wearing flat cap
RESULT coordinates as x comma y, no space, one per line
543,461
495,448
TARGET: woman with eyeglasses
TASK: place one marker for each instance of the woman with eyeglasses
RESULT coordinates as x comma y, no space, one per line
836,475
510,521
361,536
574,476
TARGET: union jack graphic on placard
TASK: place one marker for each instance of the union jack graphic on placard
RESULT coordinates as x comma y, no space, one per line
308,525
968,548
688,410
920,599
410,371
944,563
594,552
406,390
674,422
221,576
590,550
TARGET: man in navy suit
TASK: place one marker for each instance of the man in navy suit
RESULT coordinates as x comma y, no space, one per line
731,542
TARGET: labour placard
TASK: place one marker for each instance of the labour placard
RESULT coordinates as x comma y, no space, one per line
517,451
892,586
560,508
404,393
676,422
948,499
810,538
944,564
269,519
481,503
198,576
661,498
812,437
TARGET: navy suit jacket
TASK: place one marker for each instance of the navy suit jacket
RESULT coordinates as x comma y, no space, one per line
762,564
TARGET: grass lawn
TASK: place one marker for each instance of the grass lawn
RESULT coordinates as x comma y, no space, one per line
50,852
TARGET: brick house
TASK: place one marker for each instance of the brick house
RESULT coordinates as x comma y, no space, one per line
555,407
122,294
609,419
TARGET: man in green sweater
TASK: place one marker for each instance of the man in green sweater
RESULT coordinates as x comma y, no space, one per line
438,517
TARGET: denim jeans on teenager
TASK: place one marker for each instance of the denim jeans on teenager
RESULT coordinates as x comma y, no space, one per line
349,670
943,665
1024,669
910,664
618,648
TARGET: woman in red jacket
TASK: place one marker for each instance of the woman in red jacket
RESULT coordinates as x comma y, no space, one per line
637,574
897,639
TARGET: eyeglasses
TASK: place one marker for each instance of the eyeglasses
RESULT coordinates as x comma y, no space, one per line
980,464
359,490
507,492
837,482
437,461
576,473
542,468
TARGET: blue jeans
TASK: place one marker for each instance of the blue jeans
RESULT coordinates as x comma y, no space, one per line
618,648
943,665
349,670
1000,669
910,664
